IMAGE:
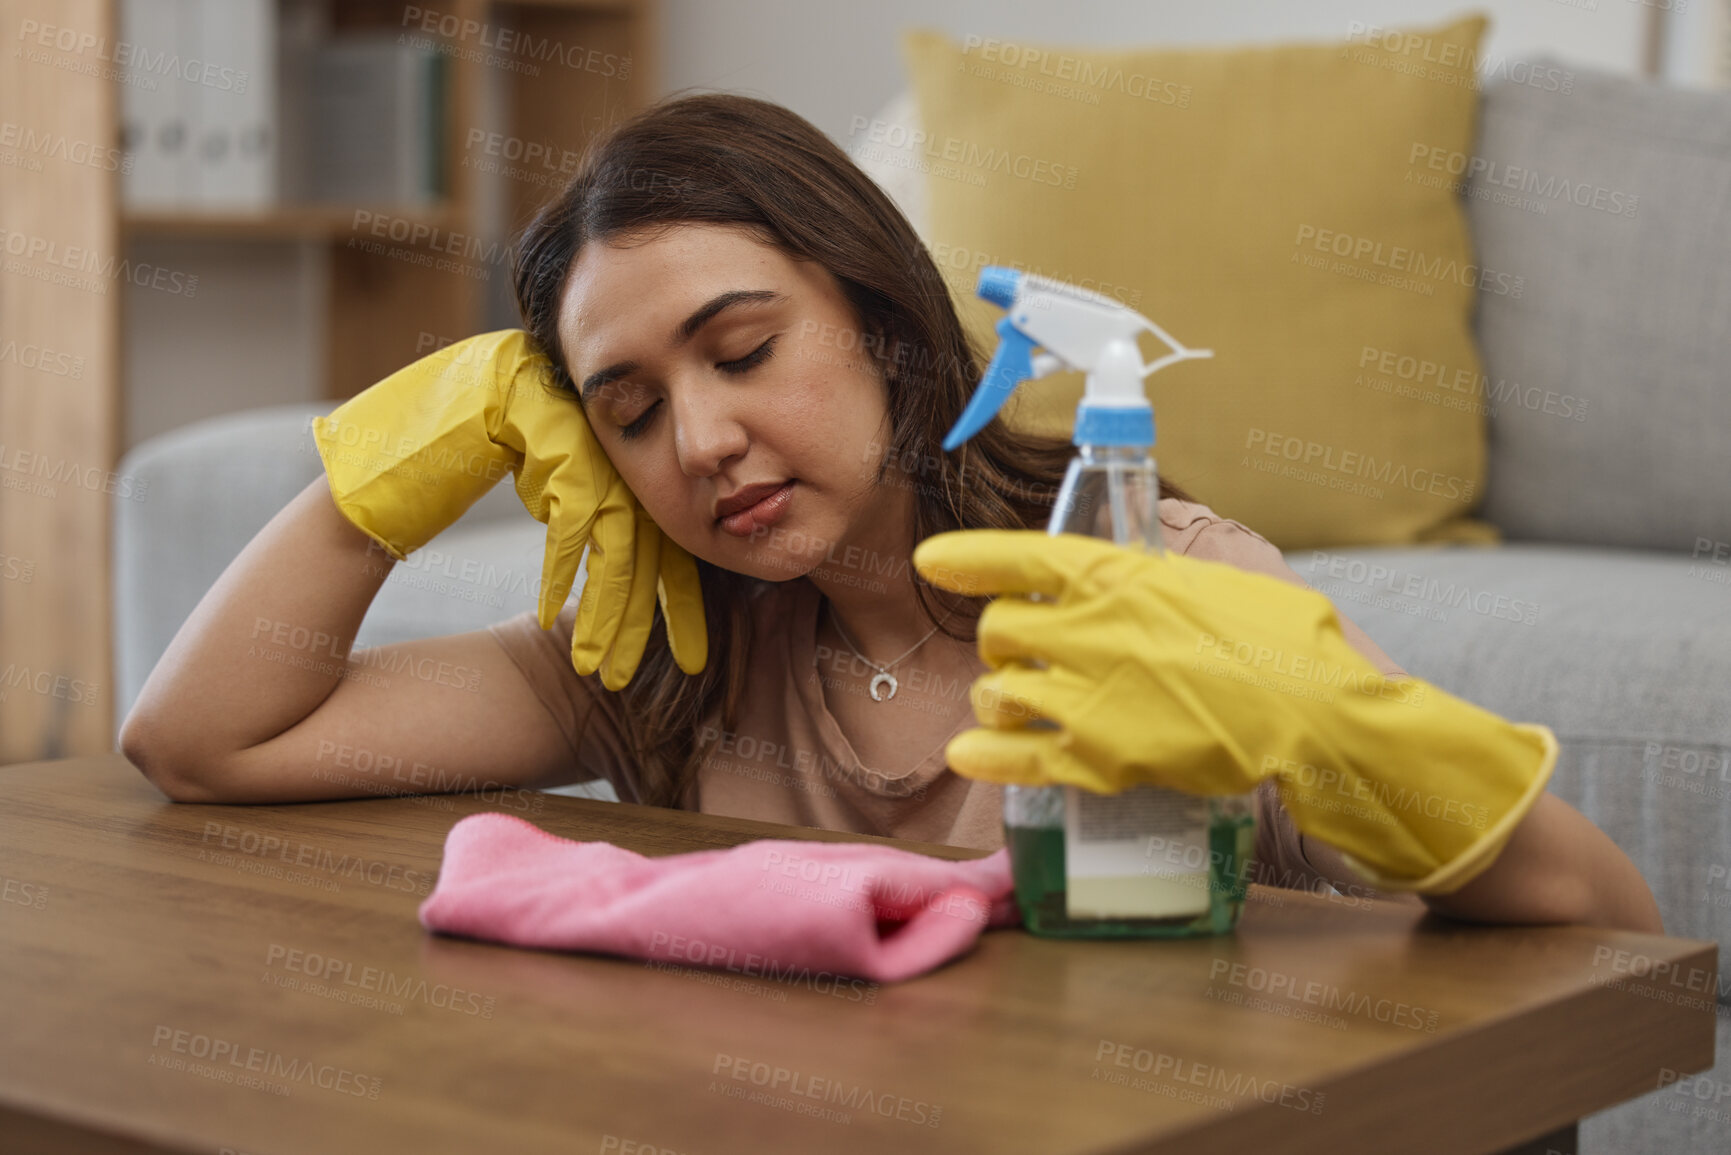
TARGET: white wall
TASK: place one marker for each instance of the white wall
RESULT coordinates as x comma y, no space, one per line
833,60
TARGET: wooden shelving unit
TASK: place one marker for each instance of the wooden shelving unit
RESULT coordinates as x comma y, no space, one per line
552,88
291,223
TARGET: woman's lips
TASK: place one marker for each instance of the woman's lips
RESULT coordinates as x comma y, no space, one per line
765,513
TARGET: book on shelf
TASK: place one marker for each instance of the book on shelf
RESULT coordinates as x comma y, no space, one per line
233,105
375,122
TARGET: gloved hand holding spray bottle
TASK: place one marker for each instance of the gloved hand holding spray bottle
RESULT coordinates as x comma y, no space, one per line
1418,790
1147,861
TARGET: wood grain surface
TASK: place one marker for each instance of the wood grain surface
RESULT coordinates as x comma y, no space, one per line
254,979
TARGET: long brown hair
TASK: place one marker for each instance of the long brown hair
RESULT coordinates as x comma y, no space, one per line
724,159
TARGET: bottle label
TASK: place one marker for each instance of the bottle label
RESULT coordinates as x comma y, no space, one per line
1142,853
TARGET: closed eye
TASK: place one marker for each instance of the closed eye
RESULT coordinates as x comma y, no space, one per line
744,365
751,360
636,428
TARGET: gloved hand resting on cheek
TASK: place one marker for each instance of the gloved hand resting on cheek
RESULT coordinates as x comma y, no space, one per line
1173,671
406,457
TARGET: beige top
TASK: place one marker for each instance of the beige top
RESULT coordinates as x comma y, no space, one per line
788,760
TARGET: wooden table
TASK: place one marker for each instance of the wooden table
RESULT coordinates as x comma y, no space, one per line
159,961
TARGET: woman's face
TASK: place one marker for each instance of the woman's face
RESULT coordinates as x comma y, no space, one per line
699,394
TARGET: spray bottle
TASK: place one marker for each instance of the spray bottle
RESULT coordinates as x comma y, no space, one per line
1146,862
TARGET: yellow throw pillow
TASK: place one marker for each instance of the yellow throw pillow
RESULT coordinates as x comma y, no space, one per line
1279,205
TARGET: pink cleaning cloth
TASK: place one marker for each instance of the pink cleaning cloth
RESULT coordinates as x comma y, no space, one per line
849,908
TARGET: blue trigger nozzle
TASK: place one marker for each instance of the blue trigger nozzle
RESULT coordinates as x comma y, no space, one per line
1011,365
998,285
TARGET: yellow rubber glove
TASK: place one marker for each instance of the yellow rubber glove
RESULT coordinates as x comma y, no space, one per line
409,455
1196,675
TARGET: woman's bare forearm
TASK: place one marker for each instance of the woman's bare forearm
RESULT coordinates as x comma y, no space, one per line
1557,867
267,643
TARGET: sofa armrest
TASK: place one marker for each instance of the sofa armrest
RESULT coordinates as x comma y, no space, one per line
201,493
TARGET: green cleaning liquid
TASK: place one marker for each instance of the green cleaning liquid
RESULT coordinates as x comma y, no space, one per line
1038,863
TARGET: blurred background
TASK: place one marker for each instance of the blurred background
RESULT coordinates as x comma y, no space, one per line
212,206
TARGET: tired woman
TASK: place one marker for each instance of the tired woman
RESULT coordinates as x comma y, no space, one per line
737,368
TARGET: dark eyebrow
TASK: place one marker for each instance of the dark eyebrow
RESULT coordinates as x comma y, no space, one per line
687,329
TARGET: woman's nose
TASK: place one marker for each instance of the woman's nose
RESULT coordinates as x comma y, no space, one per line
706,430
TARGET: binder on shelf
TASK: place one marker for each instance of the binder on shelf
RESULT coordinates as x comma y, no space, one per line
199,104
154,131
233,157
375,122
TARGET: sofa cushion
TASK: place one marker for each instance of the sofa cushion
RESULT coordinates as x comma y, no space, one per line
1625,655
1608,376
467,578
209,487
1251,201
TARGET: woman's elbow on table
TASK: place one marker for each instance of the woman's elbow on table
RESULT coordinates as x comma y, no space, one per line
1557,867
142,744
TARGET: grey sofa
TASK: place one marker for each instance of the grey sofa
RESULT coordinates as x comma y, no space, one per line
1606,614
